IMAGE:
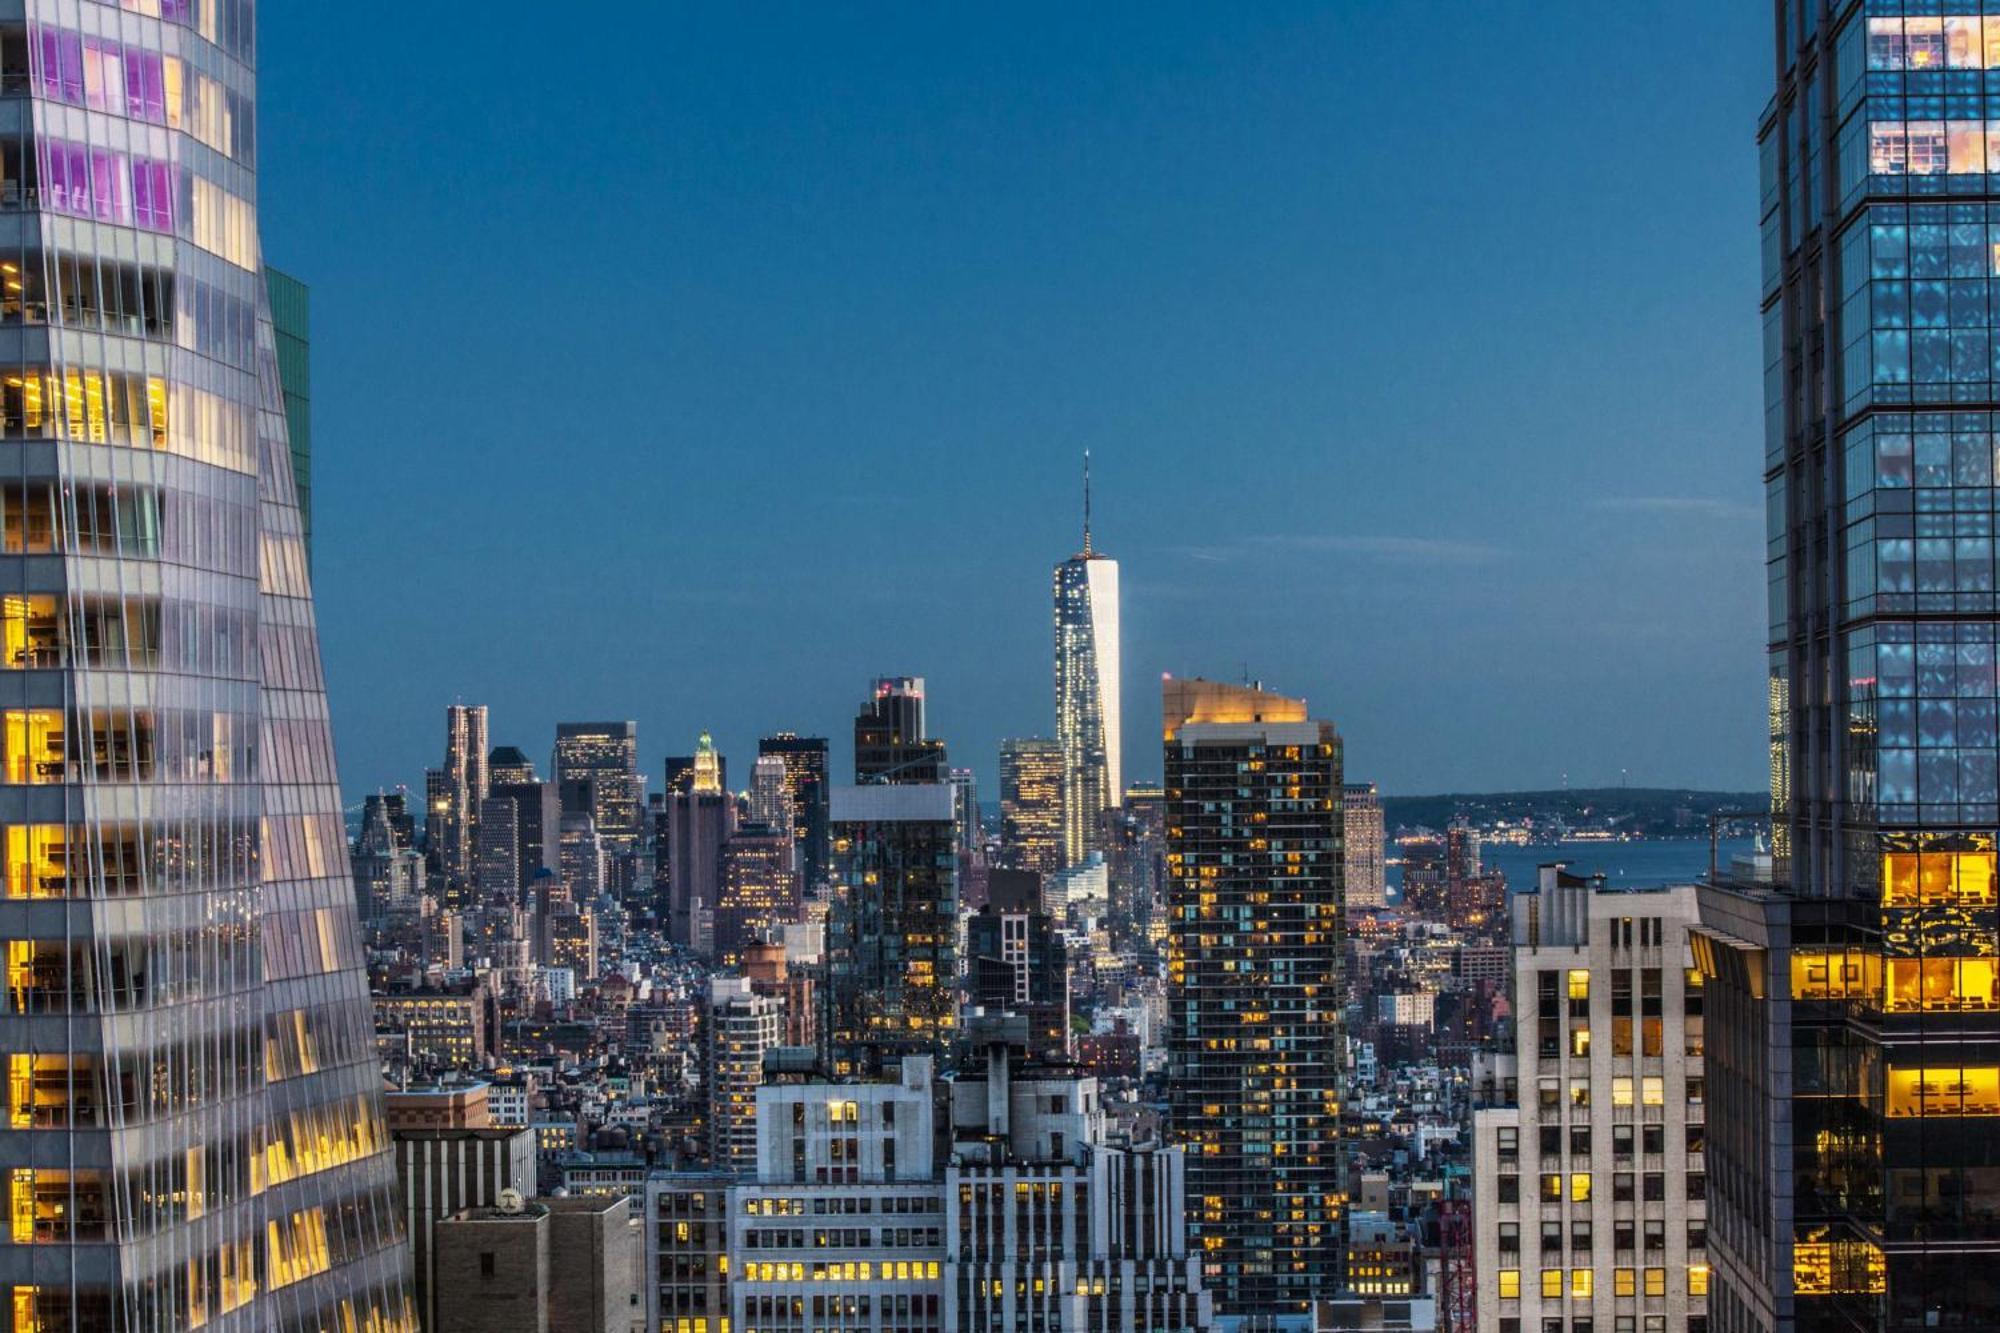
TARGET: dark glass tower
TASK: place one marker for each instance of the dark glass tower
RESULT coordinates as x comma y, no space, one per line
890,743
1853,1050
892,932
1254,1036
193,1133
806,788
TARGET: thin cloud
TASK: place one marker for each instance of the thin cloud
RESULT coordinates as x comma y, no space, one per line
1387,549
1685,506
1381,549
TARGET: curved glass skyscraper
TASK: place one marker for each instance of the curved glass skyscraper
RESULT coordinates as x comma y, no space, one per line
193,1133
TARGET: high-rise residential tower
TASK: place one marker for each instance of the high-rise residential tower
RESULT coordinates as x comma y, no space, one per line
1853,1058
194,1133
1088,711
1031,769
890,743
1365,841
1255,988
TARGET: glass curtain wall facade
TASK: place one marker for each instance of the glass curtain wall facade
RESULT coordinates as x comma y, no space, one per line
1088,711
1031,773
193,1133
893,924
291,321
1855,1046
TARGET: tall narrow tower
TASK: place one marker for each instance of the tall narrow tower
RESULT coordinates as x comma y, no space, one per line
193,1133
1087,697
1853,1061
1255,985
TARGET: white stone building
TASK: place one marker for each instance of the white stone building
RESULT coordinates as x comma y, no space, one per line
1589,1205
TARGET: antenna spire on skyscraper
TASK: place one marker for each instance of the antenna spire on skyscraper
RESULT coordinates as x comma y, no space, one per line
1086,502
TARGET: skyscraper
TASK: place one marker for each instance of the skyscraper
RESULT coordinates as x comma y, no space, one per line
1088,712
1255,988
452,794
1017,962
194,1135
892,935
597,769
508,764
1853,1065
388,870
1031,771
699,822
497,849
537,826
805,782
1365,840
741,1026
890,743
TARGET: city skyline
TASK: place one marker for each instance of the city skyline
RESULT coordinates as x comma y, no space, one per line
1462,560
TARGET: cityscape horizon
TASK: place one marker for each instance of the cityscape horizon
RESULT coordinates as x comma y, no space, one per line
812,872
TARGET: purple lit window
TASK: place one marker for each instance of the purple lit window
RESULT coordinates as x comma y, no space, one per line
153,194
145,86
177,11
66,177
61,61
107,186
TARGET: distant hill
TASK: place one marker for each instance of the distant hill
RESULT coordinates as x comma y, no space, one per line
1651,811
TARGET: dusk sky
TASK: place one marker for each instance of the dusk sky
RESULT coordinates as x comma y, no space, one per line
696,365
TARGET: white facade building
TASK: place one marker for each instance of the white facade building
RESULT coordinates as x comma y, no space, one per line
1036,1222
1589,1193
741,1026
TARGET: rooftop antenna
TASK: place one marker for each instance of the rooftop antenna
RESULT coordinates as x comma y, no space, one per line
1086,502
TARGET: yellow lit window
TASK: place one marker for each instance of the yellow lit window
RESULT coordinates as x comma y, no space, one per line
1654,1090
1621,1090
1579,1041
1939,984
30,632
1656,1282
21,1205
1943,1090
1820,1268
21,1091
1552,1283
1849,975
1624,1282
1510,1284
1697,1279
1579,1187
34,741
1579,984
37,861
1911,879
1579,1281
